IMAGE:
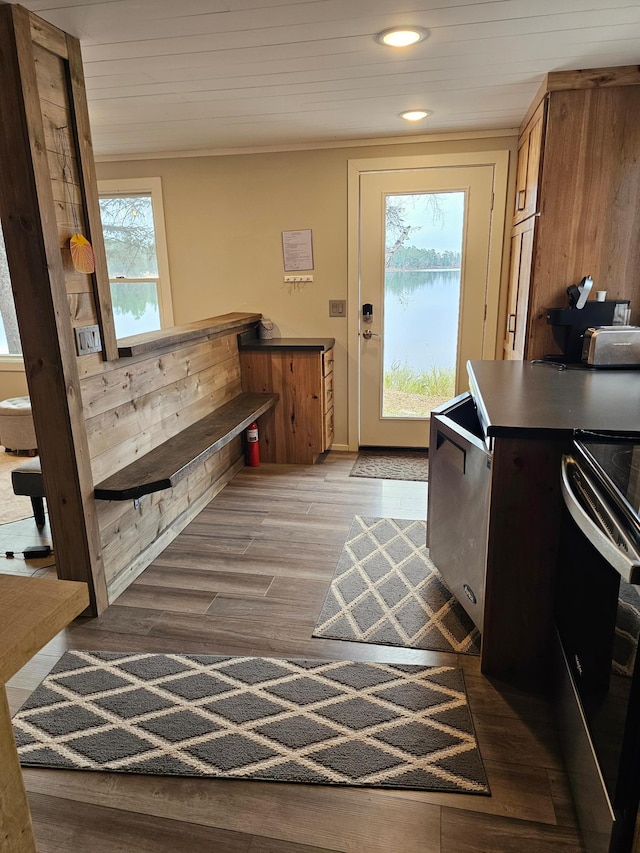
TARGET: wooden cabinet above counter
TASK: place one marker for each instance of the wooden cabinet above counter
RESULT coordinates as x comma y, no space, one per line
300,371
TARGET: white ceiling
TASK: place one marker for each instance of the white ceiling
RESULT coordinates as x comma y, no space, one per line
196,75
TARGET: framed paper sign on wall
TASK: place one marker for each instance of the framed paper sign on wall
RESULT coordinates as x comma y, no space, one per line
297,250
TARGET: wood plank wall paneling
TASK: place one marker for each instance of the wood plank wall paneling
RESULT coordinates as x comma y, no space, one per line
131,407
27,208
154,404
81,309
130,378
47,35
144,433
136,529
124,407
50,72
57,119
89,185
193,501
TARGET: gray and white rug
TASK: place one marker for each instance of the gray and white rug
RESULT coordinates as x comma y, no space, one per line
386,590
328,722
392,464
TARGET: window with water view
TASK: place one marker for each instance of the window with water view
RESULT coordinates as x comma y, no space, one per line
130,246
423,256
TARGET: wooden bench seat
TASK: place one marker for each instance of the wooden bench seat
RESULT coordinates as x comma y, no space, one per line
171,461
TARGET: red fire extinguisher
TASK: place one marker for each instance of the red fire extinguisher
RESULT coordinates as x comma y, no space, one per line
253,447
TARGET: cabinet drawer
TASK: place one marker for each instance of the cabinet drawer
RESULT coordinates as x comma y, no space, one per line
328,429
327,362
328,392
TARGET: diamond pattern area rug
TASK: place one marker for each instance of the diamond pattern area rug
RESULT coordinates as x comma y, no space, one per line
392,465
327,722
386,590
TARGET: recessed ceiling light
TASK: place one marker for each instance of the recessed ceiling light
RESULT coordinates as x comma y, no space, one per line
402,36
415,115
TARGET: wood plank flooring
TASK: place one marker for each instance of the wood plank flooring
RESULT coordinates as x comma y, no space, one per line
249,576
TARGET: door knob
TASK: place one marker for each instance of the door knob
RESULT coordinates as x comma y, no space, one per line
367,334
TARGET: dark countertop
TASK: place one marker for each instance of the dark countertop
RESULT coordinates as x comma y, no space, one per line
516,397
248,342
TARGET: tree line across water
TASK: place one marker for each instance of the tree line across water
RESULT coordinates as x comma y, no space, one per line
413,258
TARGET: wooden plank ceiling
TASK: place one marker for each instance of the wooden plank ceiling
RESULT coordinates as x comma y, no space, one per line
199,75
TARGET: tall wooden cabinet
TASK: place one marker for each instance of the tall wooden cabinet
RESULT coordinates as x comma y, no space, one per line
577,202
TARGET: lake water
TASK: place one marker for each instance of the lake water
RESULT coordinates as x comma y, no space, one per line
421,310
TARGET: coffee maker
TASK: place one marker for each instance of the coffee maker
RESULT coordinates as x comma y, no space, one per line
570,324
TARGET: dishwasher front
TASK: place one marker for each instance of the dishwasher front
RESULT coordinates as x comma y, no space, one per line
458,501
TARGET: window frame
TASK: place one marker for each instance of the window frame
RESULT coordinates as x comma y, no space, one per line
152,187
123,186
11,363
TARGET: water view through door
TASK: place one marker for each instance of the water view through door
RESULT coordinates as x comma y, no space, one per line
423,253
424,238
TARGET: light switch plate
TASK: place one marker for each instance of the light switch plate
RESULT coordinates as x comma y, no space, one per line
88,339
337,307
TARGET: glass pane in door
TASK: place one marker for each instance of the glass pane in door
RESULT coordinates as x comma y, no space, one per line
423,257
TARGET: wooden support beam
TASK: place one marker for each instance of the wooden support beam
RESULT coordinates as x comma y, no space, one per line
28,218
89,187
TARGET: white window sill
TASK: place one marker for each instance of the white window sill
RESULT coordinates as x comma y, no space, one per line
11,364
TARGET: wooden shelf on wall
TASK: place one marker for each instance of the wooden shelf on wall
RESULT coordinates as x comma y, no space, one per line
171,461
149,342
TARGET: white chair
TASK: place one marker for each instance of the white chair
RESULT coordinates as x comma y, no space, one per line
16,425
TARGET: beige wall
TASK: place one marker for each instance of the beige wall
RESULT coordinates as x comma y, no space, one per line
13,383
224,219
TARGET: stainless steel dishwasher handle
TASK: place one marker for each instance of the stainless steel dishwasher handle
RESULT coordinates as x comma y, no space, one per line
597,523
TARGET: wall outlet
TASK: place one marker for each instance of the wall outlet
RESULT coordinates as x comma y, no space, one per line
337,307
88,339
297,279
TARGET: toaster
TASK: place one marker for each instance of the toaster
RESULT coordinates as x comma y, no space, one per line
611,346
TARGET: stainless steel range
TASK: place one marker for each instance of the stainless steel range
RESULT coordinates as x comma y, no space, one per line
597,614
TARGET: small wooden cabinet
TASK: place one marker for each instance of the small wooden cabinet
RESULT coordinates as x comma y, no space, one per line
301,426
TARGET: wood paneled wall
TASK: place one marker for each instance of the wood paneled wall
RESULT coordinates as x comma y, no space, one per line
38,64
131,407
57,122
65,124
95,414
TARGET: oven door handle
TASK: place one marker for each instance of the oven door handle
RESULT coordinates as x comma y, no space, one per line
600,526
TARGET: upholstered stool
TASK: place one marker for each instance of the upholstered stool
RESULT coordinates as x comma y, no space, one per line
16,424
26,479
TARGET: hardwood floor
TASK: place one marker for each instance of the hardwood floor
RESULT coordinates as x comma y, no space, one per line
249,576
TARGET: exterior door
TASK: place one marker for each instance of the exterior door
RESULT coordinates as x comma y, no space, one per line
424,262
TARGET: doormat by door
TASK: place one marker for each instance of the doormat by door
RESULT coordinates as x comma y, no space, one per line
386,590
389,464
310,721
